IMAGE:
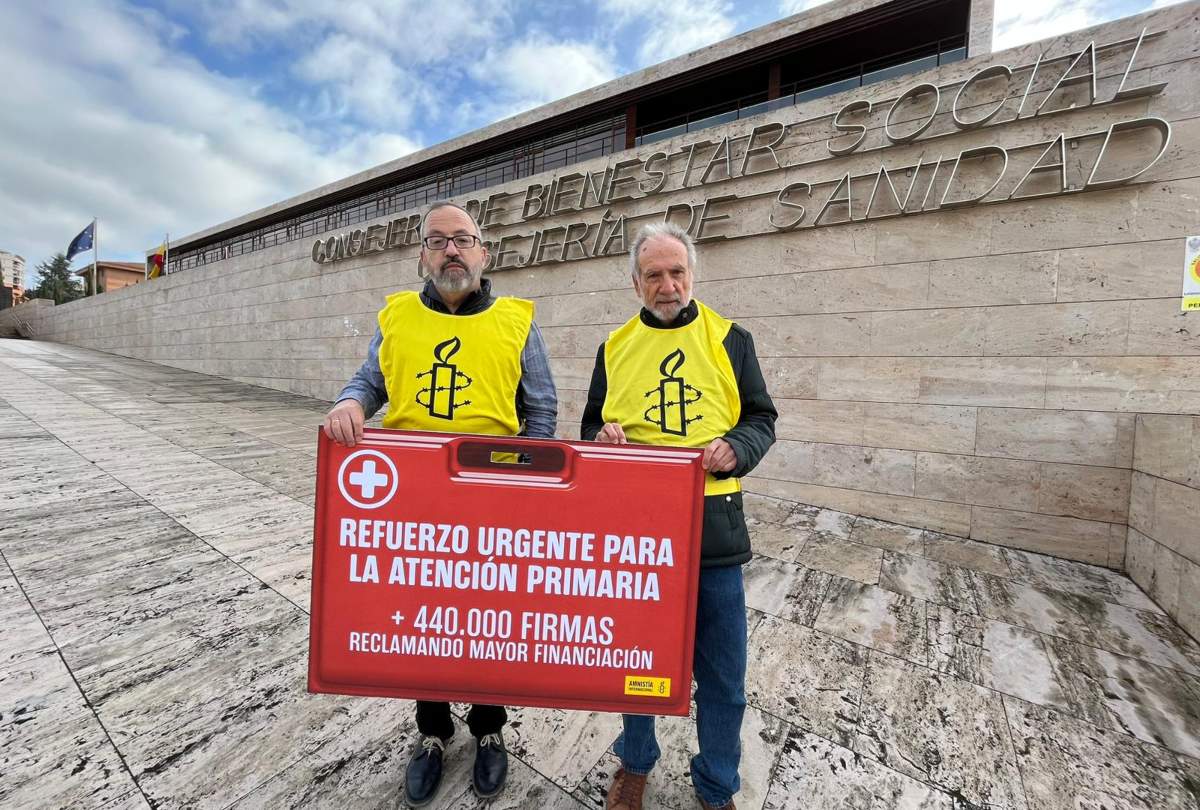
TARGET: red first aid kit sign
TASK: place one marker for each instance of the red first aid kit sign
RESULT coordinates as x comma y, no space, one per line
442,570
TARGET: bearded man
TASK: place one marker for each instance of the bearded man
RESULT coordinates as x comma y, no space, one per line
500,385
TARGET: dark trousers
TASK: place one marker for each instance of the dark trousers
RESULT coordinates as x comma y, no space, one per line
434,719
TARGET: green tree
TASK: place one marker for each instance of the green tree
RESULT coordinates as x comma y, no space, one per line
55,281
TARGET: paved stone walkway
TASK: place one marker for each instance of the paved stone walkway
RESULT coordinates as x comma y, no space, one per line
154,555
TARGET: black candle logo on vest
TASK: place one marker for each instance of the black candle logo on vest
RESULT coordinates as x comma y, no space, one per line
674,395
445,382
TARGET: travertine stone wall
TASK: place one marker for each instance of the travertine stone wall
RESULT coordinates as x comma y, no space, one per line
1164,515
976,370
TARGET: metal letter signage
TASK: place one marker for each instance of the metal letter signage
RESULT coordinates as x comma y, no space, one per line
860,126
444,571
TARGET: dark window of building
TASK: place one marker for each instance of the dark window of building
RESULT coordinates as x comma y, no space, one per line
834,64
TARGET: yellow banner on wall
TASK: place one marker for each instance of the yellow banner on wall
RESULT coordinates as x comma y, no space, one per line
1191,274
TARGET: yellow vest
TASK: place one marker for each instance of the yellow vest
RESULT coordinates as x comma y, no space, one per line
453,373
673,386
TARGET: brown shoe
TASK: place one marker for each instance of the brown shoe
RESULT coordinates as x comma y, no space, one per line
728,806
626,791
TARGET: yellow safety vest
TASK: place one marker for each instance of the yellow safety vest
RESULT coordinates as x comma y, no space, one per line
453,373
673,386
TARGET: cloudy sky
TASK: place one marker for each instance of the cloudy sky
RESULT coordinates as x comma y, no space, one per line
177,115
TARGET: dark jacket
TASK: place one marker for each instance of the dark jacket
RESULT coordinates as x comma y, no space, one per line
476,301
725,540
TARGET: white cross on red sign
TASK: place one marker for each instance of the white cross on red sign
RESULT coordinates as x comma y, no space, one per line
367,479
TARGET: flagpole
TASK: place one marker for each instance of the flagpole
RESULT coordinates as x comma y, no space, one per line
95,254
166,253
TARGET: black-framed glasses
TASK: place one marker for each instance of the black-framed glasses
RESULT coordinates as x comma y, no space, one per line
463,241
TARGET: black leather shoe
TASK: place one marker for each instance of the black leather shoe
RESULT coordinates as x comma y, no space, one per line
491,766
424,772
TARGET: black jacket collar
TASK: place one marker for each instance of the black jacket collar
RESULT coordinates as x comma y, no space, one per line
685,316
476,302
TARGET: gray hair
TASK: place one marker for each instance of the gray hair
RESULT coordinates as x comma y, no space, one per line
655,230
448,204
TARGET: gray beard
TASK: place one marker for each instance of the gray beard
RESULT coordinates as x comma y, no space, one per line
446,283
665,316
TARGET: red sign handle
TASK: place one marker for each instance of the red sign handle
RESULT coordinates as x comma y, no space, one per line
514,455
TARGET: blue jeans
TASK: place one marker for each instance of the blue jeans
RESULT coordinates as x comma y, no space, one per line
719,667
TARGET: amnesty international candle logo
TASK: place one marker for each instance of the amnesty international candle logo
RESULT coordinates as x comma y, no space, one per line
445,382
673,395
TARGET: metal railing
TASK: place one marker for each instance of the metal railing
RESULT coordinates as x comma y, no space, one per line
574,146
585,142
23,327
911,60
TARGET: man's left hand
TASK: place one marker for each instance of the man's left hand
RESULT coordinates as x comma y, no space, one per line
719,456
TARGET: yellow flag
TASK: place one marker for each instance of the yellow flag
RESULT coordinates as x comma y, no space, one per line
154,262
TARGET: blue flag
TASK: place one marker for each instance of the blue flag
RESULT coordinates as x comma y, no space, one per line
82,242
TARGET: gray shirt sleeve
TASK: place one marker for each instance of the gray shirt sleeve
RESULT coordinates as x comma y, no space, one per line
537,401
367,385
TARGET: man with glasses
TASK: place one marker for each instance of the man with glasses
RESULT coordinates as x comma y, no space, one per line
439,369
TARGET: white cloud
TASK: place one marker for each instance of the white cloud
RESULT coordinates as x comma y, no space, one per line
416,30
670,28
1021,21
122,127
362,82
536,71
370,61
545,70
788,7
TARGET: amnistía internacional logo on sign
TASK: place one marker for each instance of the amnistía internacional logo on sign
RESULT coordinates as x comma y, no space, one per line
898,162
